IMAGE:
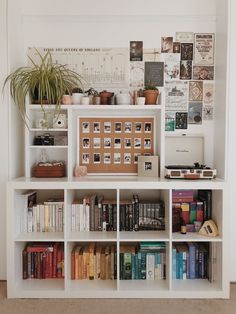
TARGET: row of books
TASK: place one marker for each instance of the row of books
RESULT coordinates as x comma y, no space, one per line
93,213
193,261
138,215
43,260
190,208
145,262
46,217
94,262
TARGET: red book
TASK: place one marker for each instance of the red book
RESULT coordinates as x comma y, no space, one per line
200,211
185,212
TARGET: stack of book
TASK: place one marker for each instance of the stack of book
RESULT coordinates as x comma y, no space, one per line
94,261
145,262
136,215
190,208
93,213
43,260
193,260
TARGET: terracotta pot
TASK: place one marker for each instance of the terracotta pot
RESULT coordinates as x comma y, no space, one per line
106,97
150,96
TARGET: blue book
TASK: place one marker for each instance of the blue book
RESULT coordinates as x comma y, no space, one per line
143,265
133,265
174,263
139,265
192,260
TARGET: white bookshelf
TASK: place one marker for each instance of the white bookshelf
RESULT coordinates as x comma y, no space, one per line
215,20
17,287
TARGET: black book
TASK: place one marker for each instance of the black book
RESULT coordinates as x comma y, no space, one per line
136,211
206,197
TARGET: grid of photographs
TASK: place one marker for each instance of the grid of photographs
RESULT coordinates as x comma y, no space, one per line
113,145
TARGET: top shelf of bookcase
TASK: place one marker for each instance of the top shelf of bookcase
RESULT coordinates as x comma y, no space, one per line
98,107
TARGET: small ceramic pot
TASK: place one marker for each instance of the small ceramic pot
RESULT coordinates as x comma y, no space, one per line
141,101
76,98
106,97
123,99
96,100
66,100
85,100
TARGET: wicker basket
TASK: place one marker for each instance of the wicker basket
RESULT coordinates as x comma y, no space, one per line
56,171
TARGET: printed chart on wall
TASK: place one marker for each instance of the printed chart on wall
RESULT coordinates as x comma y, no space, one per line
99,67
112,145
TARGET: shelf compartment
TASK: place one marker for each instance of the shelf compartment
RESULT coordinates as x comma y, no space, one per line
22,220
152,212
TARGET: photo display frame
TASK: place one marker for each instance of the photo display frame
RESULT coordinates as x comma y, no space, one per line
112,145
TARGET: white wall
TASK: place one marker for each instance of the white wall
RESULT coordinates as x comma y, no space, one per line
4,137
87,23
232,141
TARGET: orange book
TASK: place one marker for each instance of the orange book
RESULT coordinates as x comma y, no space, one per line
91,260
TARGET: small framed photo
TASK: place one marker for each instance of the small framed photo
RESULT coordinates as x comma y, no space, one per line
148,166
96,127
136,157
148,127
107,158
147,143
117,142
137,143
96,142
86,143
127,142
107,127
128,127
127,158
116,158
118,126
138,127
85,158
85,127
107,142
96,158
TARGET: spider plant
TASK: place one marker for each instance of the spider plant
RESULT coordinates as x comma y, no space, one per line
43,81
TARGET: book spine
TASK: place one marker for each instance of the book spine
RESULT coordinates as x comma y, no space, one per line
174,264
127,266
143,265
192,261
150,266
136,213
114,217
121,266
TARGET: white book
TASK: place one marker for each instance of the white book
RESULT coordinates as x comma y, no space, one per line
81,215
150,266
73,218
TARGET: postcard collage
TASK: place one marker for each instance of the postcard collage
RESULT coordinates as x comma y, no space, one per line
184,66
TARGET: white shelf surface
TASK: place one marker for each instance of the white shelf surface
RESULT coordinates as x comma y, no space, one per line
48,146
93,236
143,285
47,130
194,236
82,285
40,236
195,285
127,236
41,284
114,182
98,107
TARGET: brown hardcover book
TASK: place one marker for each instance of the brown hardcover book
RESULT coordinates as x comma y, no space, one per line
103,264
98,261
107,262
112,262
77,262
91,260
72,264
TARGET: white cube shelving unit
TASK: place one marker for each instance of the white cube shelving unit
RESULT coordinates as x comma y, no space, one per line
182,17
